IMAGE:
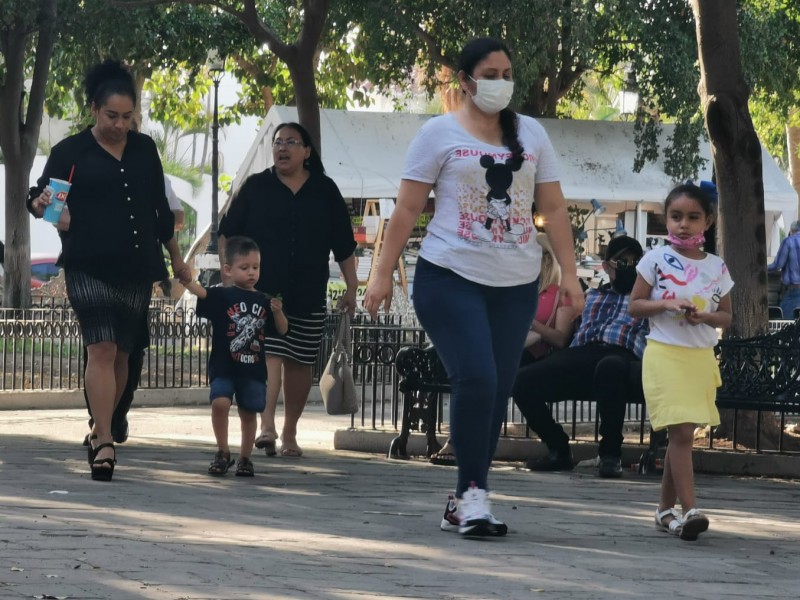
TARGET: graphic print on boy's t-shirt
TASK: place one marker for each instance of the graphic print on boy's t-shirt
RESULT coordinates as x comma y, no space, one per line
492,204
246,332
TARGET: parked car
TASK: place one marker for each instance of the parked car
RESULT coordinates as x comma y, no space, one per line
43,269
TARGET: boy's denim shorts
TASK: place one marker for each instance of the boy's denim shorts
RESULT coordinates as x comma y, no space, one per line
250,394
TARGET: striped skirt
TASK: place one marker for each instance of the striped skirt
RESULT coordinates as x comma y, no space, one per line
108,312
302,341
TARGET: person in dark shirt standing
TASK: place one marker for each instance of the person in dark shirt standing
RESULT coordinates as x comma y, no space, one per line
297,216
239,321
119,219
788,263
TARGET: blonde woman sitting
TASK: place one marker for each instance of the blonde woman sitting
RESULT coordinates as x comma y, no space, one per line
555,320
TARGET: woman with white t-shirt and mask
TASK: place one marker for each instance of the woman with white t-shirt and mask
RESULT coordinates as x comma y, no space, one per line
475,285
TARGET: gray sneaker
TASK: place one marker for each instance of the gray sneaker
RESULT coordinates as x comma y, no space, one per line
610,467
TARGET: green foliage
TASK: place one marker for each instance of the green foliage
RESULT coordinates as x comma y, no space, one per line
187,235
147,38
225,183
569,58
769,31
39,346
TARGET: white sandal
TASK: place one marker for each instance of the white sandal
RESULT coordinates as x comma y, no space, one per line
694,523
674,526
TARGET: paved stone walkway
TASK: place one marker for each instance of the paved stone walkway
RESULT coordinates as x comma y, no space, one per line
340,526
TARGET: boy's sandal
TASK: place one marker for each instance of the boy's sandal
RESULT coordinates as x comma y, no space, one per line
244,468
221,463
672,526
694,523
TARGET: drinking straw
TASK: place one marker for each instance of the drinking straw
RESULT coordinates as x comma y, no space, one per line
71,171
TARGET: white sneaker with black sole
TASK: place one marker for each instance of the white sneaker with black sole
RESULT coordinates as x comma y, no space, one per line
471,516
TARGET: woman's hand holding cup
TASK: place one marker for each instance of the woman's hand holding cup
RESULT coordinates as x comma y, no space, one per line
42,201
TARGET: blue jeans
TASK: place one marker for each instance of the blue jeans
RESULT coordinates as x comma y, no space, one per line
790,299
479,332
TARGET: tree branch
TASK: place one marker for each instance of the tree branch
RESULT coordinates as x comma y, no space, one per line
263,33
140,3
434,48
41,68
314,14
248,16
14,55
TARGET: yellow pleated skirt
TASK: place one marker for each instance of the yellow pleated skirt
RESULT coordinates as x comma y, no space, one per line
680,385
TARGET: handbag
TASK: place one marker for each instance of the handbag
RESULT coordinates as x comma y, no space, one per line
337,387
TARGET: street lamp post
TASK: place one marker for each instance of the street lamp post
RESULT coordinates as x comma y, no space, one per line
216,68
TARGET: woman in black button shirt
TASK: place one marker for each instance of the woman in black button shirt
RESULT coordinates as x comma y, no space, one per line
297,216
111,252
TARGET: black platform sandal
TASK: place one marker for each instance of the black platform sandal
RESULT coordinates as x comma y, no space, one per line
87,441
100,472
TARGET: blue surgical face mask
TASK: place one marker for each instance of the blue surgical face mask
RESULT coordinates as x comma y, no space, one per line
492,95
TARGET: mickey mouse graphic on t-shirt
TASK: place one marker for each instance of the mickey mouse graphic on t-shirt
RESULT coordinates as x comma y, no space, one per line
499,176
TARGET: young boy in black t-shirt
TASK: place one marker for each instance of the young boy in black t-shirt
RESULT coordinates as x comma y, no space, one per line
239,318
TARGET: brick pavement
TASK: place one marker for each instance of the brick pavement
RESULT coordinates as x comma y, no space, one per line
339,526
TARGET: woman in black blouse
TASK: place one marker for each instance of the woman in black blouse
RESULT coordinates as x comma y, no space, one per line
297,216
111,252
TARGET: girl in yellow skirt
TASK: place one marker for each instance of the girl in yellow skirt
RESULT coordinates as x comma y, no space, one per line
685,294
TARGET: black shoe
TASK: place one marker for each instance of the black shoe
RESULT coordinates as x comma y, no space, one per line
610,467
554,461
119,432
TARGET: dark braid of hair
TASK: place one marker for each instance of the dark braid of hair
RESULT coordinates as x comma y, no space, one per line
509,124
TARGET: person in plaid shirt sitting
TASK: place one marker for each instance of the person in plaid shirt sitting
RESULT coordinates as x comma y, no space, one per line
603,363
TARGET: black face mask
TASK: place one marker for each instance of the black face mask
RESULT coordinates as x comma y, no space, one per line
624,278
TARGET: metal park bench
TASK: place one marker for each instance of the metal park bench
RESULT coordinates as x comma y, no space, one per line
762,374
422,384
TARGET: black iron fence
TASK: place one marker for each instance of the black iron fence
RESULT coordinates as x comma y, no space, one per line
41,349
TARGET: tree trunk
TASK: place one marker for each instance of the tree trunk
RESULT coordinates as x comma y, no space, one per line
736,152
299,57
451,96
19,136
793,143
305,93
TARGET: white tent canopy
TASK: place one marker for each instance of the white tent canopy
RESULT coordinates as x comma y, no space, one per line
596,159
364,153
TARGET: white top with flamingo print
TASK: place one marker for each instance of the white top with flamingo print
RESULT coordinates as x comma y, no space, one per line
672,275
482,228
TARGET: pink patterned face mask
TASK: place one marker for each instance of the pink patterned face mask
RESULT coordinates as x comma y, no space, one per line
692,243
